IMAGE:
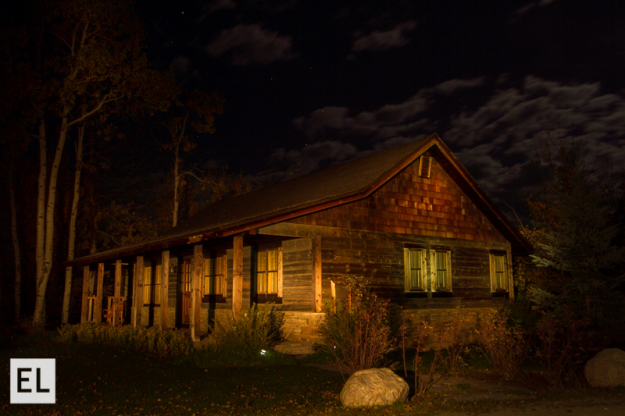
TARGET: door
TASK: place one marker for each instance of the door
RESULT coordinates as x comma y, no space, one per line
185,292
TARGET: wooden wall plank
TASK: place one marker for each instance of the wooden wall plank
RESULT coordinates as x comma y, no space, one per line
237,277
85,294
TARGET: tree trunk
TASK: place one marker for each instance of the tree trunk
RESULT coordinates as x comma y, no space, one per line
177,175
176,185
16,245
41,203
48,246
67,294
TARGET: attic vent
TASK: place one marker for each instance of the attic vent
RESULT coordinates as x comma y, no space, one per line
425,166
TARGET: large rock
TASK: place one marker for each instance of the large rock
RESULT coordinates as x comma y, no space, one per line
374,387
606,369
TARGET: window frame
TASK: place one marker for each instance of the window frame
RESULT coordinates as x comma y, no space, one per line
266,296
434,269
221,290
493,255
152,280
421,256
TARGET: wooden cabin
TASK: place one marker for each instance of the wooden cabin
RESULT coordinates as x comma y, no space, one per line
410,219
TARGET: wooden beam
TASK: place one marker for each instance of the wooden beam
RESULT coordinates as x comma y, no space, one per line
237,277
138,293
196,296
316,275
97,313
85,294
164,289
117,291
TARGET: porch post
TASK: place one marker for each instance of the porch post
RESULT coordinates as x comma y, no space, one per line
138,293
165,289
117,291
237,277
196,299
316,281
97,310
85,294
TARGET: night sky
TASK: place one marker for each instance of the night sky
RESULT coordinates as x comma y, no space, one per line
308,84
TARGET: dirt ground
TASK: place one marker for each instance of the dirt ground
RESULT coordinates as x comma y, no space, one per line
501,399
484,395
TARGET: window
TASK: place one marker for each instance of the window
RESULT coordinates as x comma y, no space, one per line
441,270
499,271
269,275
214,276
152,285
414,269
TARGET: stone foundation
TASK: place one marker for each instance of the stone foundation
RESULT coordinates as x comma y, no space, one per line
302,326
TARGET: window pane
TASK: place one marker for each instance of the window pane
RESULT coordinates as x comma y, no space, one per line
147,284
499,264
272,282
441,261
262,261
415,279
441,279
272,260
158,274
262,282
415,258
157,294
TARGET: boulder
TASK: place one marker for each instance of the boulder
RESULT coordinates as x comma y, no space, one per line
374,387
606,369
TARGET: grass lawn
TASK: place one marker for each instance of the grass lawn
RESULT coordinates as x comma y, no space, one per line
100,380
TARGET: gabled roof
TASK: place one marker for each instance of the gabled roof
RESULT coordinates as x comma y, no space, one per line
319,190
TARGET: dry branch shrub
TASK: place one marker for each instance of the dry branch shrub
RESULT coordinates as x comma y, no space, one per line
565,345
506,347
259,328
357,330
162,344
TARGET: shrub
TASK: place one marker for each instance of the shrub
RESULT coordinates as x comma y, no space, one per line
453,336
506,347
162,344
357,330
564,345
259,328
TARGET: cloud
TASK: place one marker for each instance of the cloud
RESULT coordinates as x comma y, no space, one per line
378,41
453,85
391,120
215,5
252,44
181,64
497,140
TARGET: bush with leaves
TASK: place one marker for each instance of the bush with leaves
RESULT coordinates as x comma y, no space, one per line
357,330
506,346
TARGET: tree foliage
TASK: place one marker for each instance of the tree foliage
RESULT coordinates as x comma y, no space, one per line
576,240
